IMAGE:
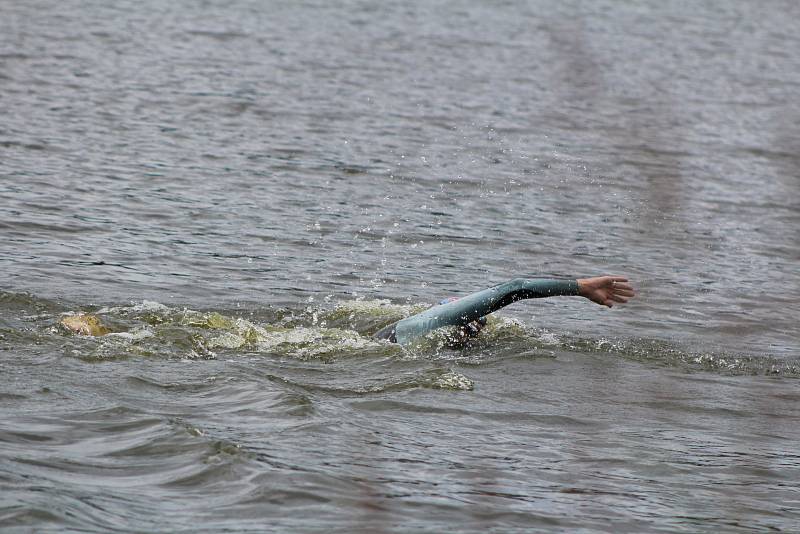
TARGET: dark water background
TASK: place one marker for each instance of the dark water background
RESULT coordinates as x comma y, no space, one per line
244,191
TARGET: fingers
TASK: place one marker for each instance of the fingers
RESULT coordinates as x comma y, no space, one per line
608,290
621,287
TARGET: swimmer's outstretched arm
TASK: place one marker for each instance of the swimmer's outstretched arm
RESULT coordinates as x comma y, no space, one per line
604,290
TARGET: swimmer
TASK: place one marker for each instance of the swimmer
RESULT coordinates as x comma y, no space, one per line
469,313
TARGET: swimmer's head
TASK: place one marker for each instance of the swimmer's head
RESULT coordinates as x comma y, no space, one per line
84,324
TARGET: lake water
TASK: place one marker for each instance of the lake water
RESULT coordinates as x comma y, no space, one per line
244,191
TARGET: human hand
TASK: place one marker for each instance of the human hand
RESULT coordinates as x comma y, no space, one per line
606,290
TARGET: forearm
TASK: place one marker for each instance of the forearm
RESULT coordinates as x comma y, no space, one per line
535,288
472,307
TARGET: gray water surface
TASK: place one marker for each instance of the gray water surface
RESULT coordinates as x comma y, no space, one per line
245,191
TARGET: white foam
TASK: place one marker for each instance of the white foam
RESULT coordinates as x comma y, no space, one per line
134,335
453,380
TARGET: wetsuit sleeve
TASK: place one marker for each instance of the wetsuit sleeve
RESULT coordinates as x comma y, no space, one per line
472,307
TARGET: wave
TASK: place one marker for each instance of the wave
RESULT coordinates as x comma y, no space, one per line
333,332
